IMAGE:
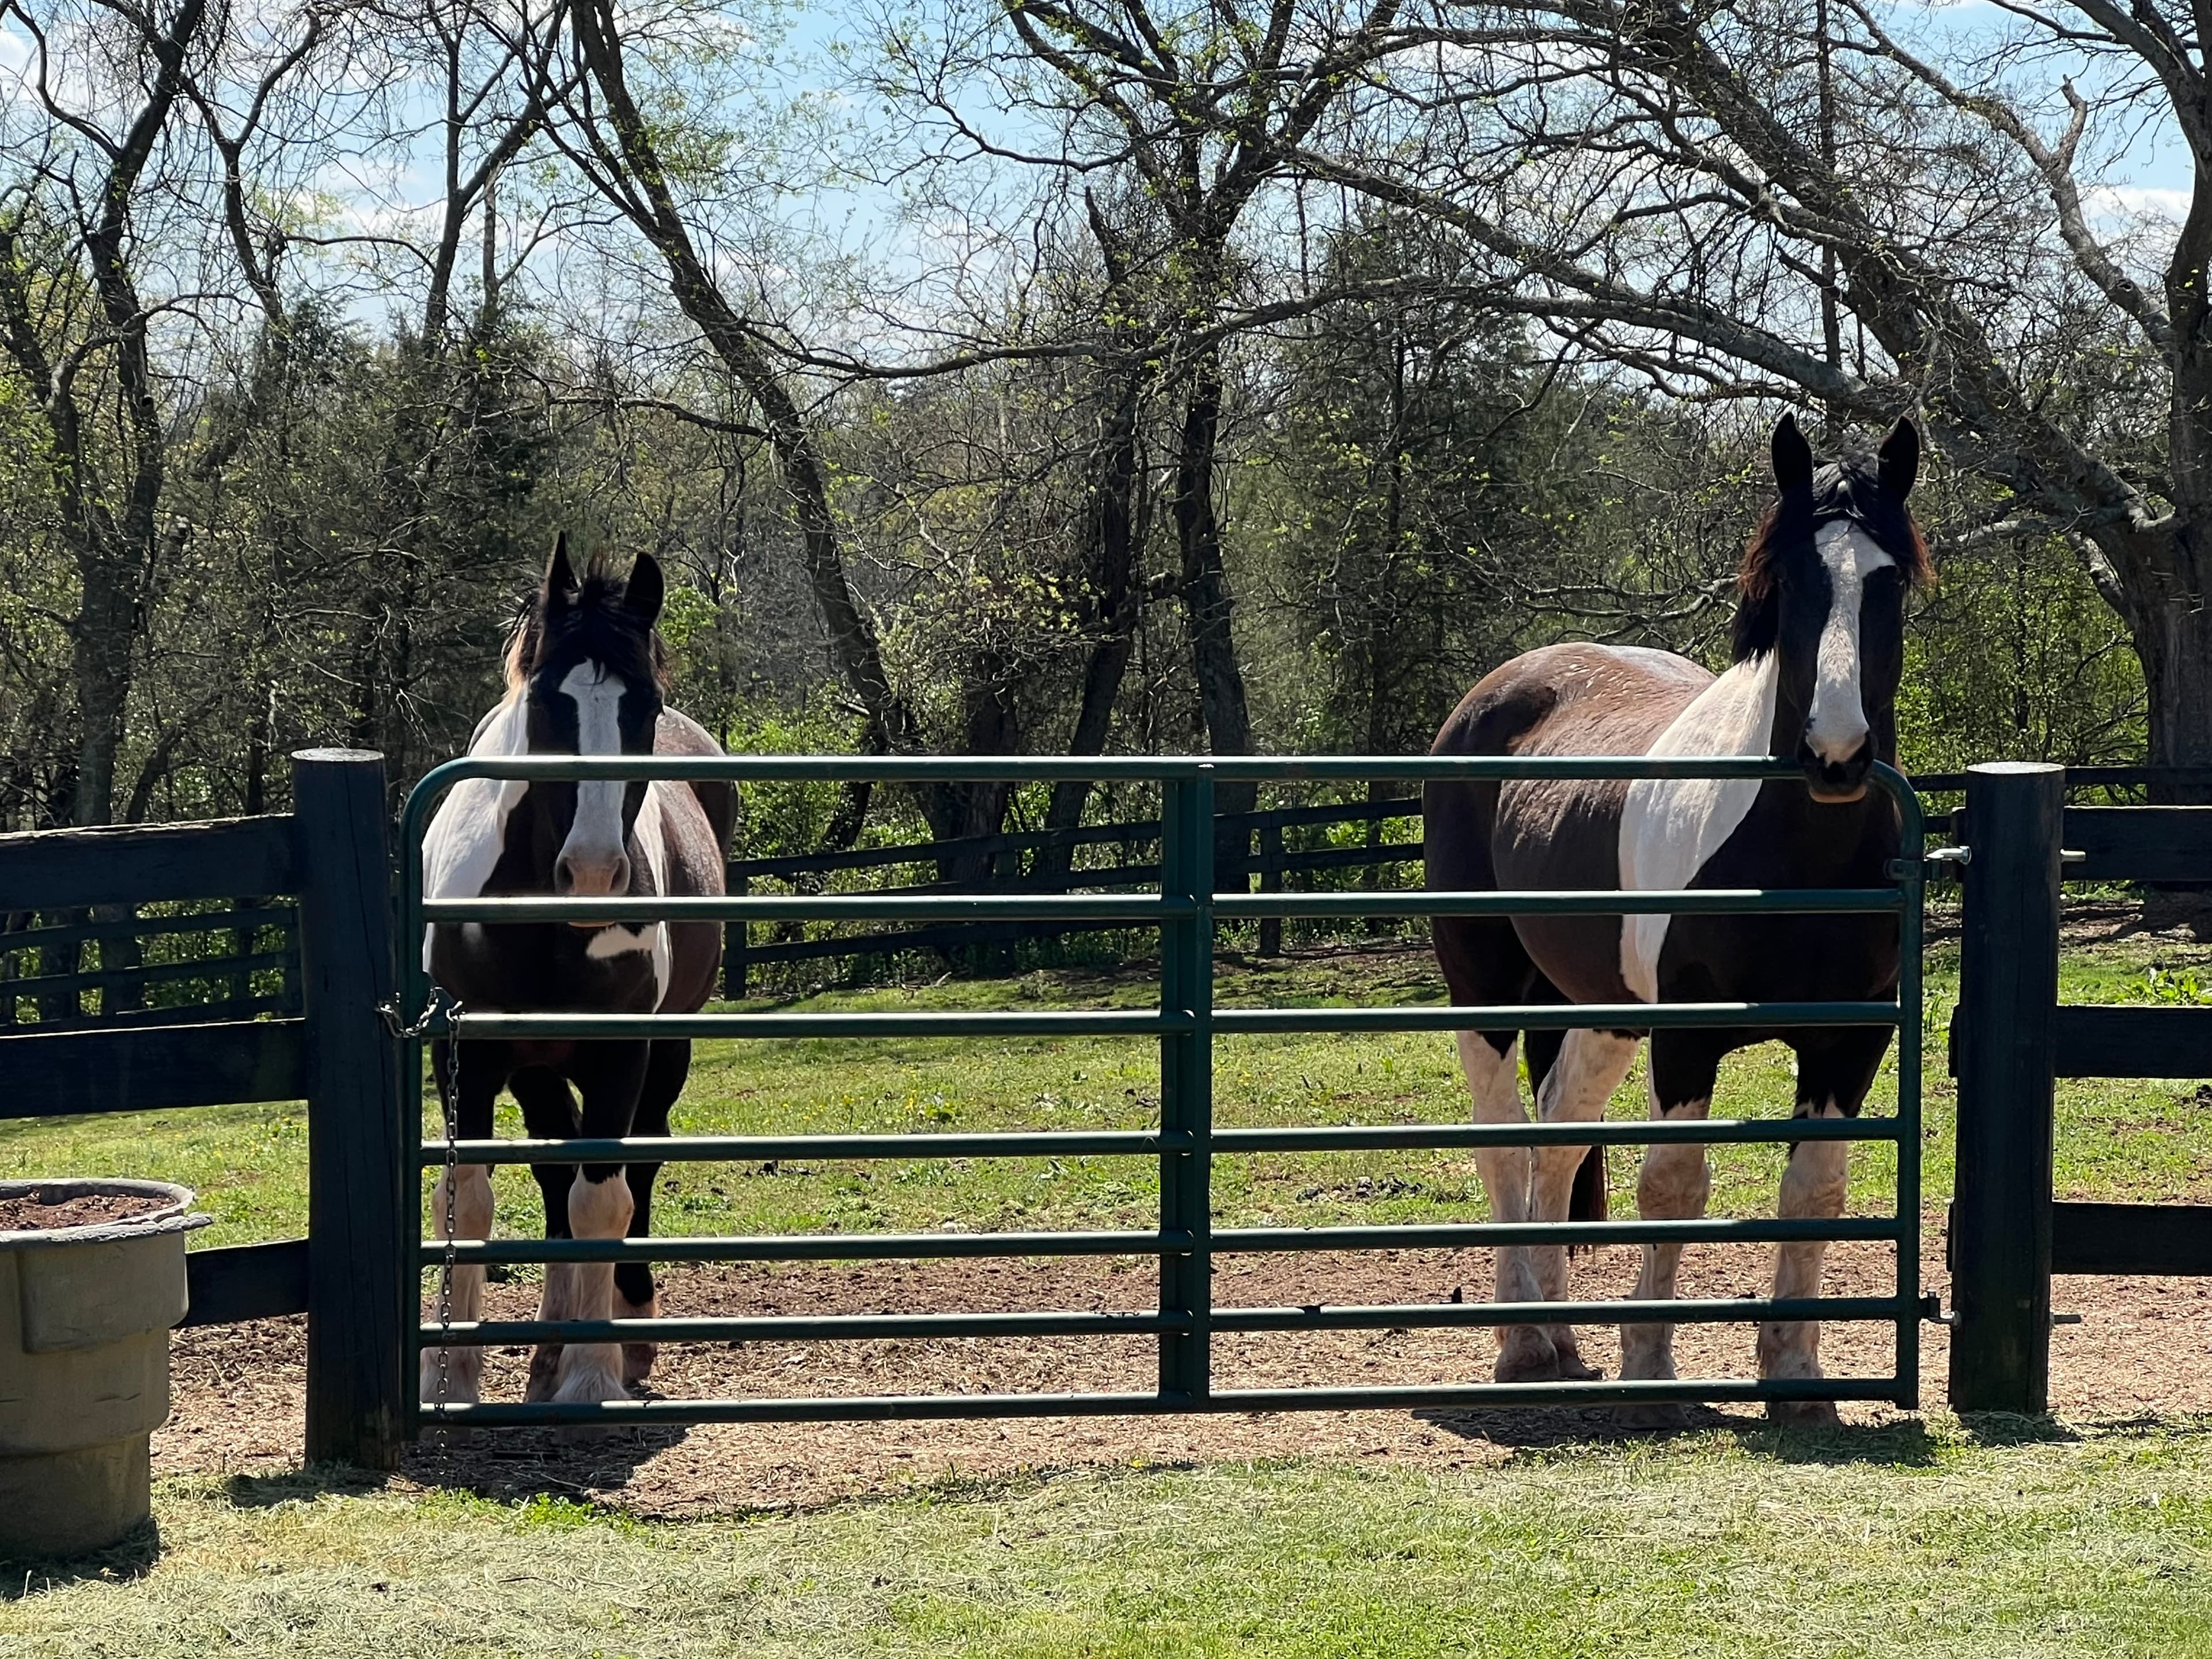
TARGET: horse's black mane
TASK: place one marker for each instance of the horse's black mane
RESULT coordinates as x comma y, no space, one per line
1847,488
588,623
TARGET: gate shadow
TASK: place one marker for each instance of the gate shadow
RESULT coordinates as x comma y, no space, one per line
1902,1443
510,1463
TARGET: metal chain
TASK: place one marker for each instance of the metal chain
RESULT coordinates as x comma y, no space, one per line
448,1096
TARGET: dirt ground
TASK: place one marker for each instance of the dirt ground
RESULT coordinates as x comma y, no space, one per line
2144,1347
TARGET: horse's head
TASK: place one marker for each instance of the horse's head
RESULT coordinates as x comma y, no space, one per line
1823,587
590,669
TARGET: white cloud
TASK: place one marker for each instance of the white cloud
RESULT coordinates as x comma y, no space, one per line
2136,202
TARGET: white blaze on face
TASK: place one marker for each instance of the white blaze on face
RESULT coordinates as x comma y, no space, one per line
1837,727
593,851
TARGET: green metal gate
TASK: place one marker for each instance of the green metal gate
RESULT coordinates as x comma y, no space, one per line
1185,909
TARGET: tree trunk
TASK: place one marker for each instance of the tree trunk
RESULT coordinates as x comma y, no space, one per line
102,637
1206,605
1110,528
2171,629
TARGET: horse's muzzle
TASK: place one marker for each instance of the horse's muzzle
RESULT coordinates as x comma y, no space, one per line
1836,783
576,876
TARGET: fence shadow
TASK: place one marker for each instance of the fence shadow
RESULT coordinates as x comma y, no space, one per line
513,1463
1904,1444
121,1563
2011,1429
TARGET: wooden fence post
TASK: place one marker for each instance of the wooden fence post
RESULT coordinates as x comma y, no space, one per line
2000,1232
737,945
361,1208
1271,881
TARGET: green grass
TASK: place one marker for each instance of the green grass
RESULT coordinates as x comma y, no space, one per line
2121,1139
1910,1538
1904,1540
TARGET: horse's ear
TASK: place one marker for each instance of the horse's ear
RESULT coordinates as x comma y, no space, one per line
1900,459
1793,457
646,587
559,575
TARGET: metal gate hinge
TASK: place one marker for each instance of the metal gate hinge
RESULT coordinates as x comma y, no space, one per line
1931,1309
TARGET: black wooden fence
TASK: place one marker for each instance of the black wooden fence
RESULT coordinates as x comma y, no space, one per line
2011,1037
308,1030
307,1026
1286,848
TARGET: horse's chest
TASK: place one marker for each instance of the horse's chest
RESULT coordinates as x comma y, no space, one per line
541,968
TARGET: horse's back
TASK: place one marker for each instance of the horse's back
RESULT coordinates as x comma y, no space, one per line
679,734
696,820
1559,700
1551,834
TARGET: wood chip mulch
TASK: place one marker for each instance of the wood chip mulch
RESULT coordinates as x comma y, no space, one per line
2144,1348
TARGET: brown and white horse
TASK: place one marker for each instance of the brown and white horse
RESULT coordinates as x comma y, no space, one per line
1819,649
586,675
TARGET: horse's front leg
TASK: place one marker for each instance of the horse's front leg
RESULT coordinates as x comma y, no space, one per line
609,1076
1575,1086
636,1296
468,1077
1674,1185
1525,1352
1833,1076
548,1112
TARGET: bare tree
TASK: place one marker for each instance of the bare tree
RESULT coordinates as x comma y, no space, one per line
1663,179
88,141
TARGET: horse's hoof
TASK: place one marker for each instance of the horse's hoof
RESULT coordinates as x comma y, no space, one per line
590,1372
637,1360
1529,1362
449,1375
1652,1417
1804,1414
1572,1369
544,1373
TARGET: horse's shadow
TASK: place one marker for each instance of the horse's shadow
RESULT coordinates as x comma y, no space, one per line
530,1462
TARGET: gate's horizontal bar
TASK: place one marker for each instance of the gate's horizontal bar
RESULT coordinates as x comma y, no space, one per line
646,1028
1417,1315
1709,1131
1376,1137
1151,909
1024,768
1719,901
1474,1235
806,1247
1537,1016
759,1149
826,1328
1387,1316
618,1413
1136,908
1142,1143
1482,1234
1558,1017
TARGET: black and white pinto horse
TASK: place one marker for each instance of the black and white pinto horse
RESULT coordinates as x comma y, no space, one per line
586,675
1819,649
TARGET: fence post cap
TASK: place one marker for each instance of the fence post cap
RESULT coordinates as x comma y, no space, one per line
338,757
2011,769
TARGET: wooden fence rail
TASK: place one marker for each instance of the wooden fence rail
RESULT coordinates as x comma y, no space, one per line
1020,863
330,1050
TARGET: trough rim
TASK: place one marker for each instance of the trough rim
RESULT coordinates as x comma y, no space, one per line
173,1218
